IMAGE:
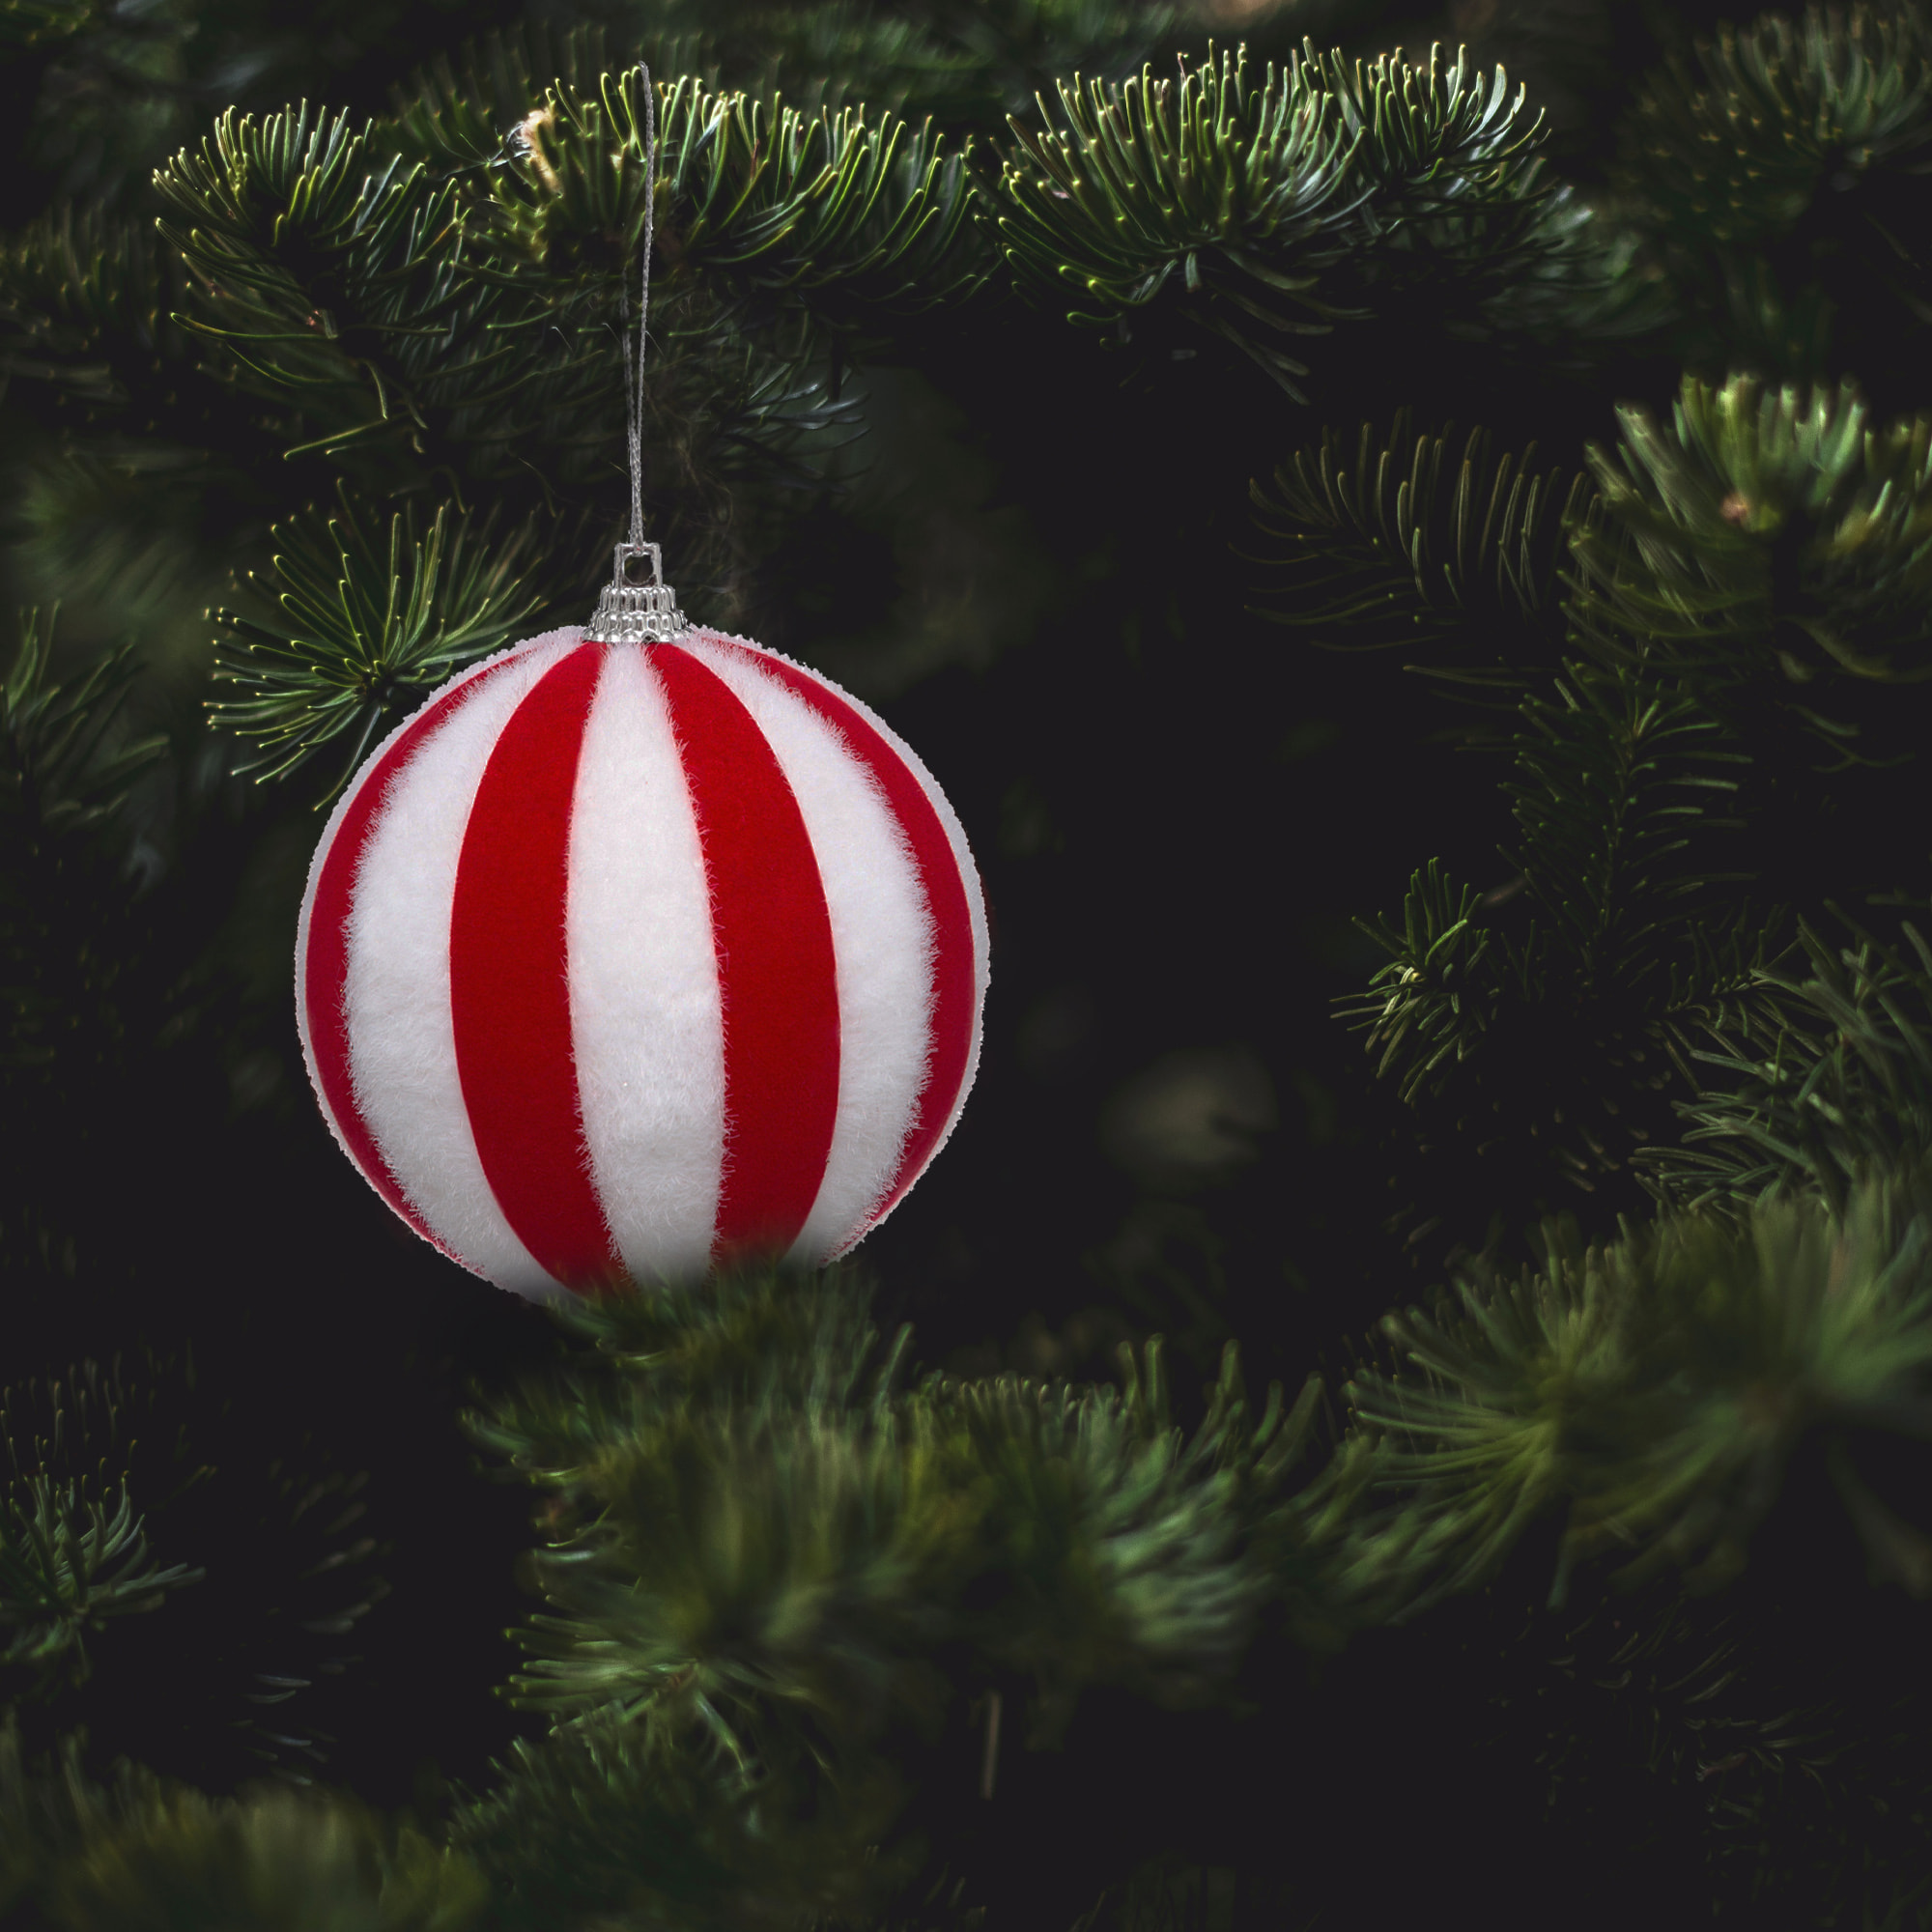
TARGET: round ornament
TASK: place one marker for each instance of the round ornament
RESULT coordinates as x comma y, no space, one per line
639,949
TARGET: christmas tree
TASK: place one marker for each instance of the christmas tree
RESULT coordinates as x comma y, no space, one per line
1395,533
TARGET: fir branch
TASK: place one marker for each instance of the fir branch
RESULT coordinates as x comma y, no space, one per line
1832,1084
153,458
748,1571
327,285
772,199
1435,142
65,774
1206,182
1146,1558
224,1684
1635,940
1420,1010
67,768
1773,532
1801,142
423,330
757,199
1389,551
1690,1688
1123,1555
86,298
761,1549
1651,1390
67,1564
750,1340
771,229
1609,769
1460,205
958,70
270,1858
1025,46
635,1824
352,629
40,23
462,113
768,1401
1246,197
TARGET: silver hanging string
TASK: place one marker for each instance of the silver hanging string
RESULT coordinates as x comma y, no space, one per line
633,372
627,613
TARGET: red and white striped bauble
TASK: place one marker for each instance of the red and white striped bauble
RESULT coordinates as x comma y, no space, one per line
620,959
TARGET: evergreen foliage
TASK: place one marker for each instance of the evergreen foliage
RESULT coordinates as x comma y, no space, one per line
1837,1089
771,1557
1723,179
310,333
149,1853
254,1646
1655,1388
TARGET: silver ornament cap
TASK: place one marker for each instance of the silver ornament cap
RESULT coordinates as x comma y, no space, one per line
636,614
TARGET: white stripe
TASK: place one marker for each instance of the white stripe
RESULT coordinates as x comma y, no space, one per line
402,1039
320,857
881,943
644,1008
976,906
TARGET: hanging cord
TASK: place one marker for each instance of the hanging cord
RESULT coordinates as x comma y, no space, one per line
639,613
634,367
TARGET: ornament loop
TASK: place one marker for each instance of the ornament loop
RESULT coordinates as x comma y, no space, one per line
636,614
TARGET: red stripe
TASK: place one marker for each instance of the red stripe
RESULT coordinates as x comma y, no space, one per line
953,989
325,965
509,990
777,979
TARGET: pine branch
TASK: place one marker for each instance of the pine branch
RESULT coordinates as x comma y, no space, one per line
352,629
463,112
1609,769
424,329
606,1817
1794,168
1388,552
1458,203
220,1685
65,774
69,1562
1832,1084
40,23
327,285
1206,189
1618,940
761,1549
769,199
1772,534
1650,1390
86,299
1228,204
66,771
1627,772
278,1857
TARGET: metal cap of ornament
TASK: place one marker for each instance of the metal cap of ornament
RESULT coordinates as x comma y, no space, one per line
636,614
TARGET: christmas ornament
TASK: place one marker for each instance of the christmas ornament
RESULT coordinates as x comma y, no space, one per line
640,947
